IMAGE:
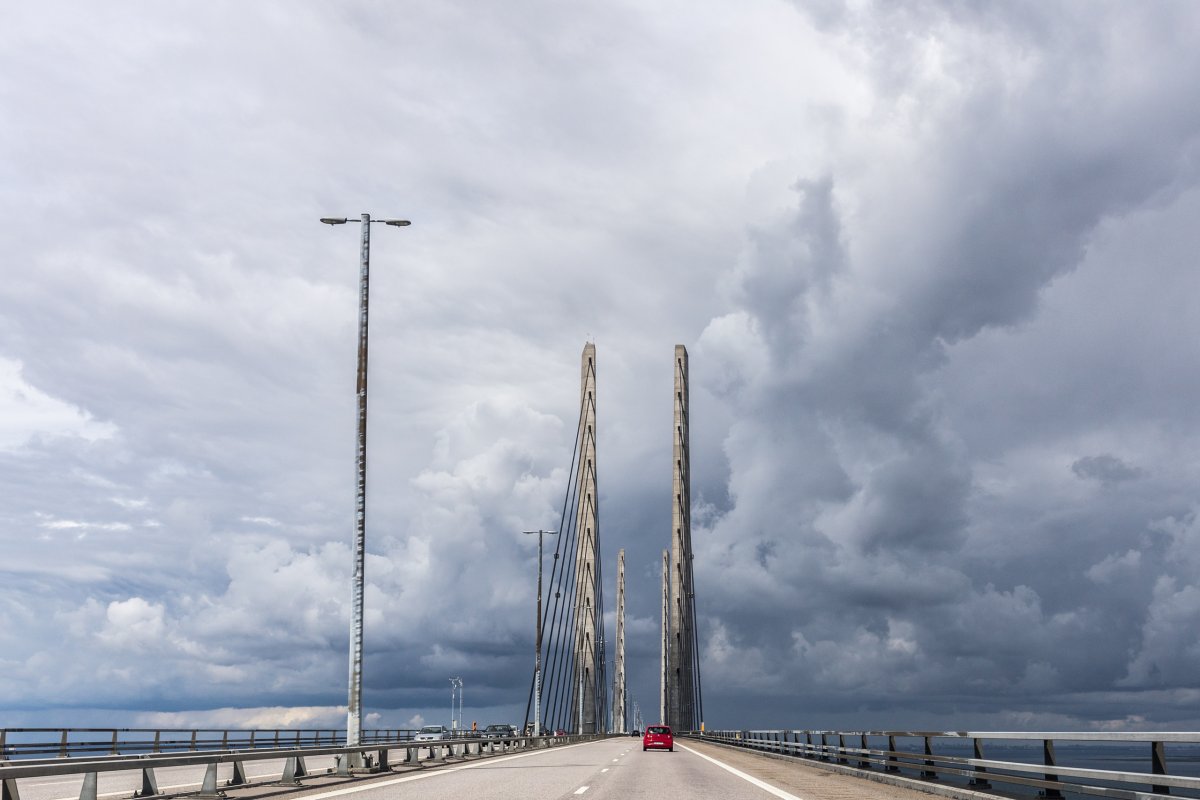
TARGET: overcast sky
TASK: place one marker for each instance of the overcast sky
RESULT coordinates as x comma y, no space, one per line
934,265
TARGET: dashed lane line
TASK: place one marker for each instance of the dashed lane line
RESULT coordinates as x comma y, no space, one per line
766,787
423,775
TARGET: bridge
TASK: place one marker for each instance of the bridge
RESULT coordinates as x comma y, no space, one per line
89,764
575,740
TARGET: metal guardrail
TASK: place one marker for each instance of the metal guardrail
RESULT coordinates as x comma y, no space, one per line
924,754
22,743
86,762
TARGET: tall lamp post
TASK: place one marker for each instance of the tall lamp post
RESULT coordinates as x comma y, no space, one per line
537,663
354,704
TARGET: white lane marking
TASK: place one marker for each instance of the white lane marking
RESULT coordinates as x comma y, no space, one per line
766,787
423,775
604,770
581,789
618,758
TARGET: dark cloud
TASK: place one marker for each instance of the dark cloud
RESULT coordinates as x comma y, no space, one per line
1105,468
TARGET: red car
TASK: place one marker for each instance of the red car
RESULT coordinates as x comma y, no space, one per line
658,736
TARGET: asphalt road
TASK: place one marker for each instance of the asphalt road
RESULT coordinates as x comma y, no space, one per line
609,769
612,769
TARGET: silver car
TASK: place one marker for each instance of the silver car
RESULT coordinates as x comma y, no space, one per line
432,733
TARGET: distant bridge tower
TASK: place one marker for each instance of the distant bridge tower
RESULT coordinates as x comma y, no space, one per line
588,704
620,703
683,669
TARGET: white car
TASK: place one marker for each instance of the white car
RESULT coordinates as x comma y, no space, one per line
432,733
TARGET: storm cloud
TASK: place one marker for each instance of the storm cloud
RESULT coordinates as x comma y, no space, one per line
934,264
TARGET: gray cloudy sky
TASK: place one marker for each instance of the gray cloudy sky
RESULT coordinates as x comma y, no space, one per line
934,264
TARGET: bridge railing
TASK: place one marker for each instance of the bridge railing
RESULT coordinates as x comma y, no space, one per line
88,762
22,743
1104,764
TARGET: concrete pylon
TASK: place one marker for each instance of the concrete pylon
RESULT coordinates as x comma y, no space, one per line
619,703
586,557
681,677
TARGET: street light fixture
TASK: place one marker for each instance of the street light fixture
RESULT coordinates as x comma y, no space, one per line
354,704
537,663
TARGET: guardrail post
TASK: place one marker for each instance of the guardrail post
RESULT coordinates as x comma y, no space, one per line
239,774
1158,764
808,744
842,749
149,783
208,790
114,744
8,789
979,779
1049,760
293,771
157,742
383,764
929,773
62,746
193,743
88,790
863,762
892,759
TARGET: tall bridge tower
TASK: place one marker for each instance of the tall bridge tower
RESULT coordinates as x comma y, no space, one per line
620,701
682,673
588,648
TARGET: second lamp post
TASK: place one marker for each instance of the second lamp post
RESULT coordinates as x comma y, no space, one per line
537,663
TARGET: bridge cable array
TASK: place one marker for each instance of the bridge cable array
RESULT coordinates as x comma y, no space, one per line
562,683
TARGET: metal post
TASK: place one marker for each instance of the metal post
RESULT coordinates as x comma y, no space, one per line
537,663
1158,765
929,773
354,701
354,705
664,667
1049,760
537,668
979,780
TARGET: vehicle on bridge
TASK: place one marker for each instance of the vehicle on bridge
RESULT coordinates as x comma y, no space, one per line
659,737
432,733
499,731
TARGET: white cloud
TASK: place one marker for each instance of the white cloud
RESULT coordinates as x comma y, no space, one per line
27,412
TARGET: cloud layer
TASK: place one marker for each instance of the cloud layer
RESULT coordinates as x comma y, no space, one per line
933,264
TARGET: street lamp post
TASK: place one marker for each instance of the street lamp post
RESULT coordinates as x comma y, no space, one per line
537,663
354,704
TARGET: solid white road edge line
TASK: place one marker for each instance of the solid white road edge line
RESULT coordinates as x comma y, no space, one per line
582,789
766,787
434,773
